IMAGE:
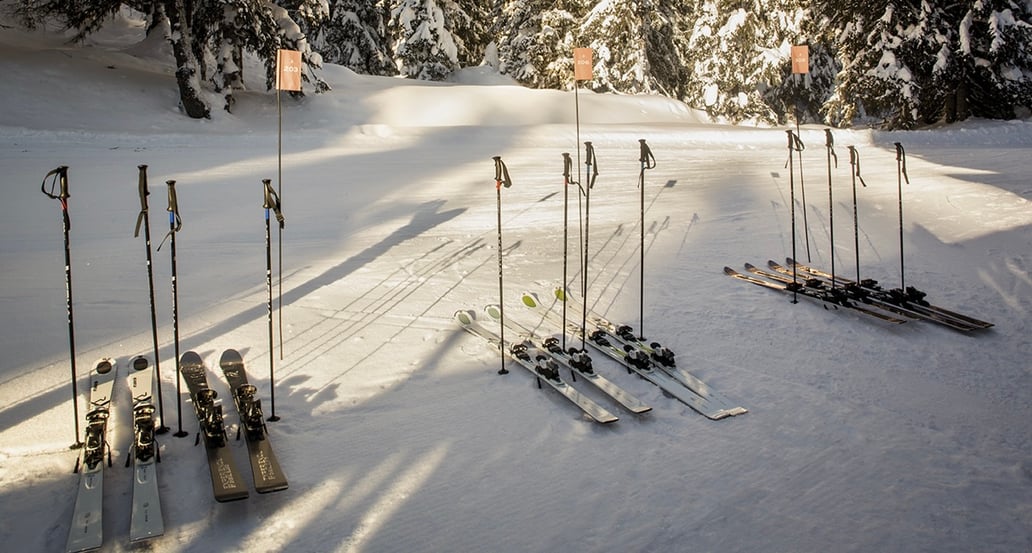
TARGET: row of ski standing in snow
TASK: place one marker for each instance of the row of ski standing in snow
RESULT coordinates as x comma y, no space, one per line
831,290
228,484
147,522
544,355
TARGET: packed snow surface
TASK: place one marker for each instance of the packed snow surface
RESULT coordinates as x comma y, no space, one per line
397,433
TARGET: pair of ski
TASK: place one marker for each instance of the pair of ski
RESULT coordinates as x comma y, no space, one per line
649,360
545,368
812,289
86,532
909,303
226,481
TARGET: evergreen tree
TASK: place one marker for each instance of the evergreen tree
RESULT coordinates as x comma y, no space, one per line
741,58
355,36
535,41
208,37
993,73
424,47
615,31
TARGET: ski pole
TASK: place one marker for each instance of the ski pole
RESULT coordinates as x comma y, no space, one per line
272,202
60,179
175,224
648,161
567,181
802,191
592,174
830,144
144,219
901,175
792,140
854,162
501,179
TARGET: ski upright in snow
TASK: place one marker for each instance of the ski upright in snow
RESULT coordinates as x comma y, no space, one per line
265,467
86,532
226,482
540,365
146,521
578,362
700,397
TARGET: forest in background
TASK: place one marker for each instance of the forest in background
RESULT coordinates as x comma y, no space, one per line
890,63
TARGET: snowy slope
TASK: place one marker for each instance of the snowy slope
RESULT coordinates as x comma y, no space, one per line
397,435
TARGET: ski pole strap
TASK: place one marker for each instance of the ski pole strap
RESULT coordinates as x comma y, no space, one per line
60,179
272,202
901,159
592,163
143,200
830,143
854,161
501,173
648,161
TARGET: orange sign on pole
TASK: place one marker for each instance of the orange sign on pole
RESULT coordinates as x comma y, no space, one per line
582,63
288,70
801,59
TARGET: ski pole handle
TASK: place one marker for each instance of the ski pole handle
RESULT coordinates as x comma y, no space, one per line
60,179
591,162
272,202
901,159
567,167
648,161
143,199
501,173
174,221
854,161
829,141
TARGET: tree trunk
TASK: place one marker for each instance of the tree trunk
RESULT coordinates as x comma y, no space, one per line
186,65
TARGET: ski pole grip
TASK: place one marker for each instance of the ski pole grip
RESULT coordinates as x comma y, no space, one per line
567,166
60,175
267,183
143,199
648,161
901,158
589,153
829,141
501,173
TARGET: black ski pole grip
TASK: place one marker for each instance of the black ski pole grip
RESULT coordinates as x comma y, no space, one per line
854,160
829,141
567,166
60,175
592,162
143,199
173,206
272,201
901,157
501,173
648,161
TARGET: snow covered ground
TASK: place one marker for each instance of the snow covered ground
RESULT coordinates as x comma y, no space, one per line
396,433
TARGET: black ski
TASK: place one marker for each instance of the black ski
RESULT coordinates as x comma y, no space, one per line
265,468
810,290
538,364
911,299
226,482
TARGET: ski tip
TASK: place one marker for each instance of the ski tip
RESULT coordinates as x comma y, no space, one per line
139,363
104,365
230,356
530,299
465,317
729,271
560,294
190,358
749,266
494,311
